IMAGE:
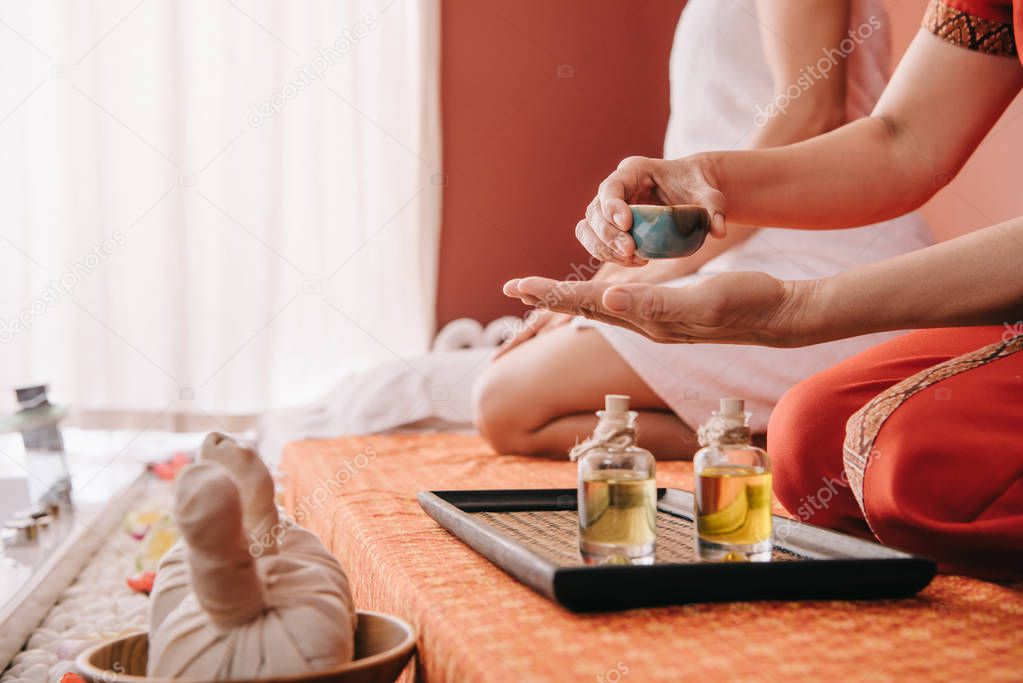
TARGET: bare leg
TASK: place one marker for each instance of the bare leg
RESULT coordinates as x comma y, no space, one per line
540,398
661,432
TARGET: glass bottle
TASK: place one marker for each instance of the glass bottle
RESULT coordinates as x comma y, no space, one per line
617,490
733,489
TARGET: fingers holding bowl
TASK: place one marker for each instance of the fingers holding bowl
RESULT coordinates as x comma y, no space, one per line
592,243
612,198
609,217
613,237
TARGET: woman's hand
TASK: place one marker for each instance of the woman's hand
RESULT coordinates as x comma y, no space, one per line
641,180
535,323
732,308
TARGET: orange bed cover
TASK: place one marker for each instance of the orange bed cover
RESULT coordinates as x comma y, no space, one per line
477,624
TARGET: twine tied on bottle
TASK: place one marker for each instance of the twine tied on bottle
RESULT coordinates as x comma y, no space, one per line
612,437
715,431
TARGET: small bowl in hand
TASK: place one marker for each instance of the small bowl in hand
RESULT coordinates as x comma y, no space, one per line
668,231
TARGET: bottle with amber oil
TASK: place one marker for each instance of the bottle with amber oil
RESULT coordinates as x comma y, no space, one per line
617,490
733,489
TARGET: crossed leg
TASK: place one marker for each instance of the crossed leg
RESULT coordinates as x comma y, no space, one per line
541,397
945,477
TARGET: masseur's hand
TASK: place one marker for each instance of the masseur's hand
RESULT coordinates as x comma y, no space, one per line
640,180
732,308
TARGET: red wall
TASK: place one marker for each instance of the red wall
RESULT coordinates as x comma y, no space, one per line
525,149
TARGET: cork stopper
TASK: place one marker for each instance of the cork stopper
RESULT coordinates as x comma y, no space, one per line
732,406
616,404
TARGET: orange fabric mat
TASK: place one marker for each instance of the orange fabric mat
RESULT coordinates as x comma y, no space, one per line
478,624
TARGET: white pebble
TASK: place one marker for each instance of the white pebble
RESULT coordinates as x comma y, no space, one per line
40,638
61,622
69,649
36,673
81,629
30,657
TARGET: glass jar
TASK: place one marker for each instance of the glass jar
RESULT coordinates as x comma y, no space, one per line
733,489
617,490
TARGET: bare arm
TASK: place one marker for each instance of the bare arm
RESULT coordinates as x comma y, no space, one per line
790,43
793,35
940,104
971,280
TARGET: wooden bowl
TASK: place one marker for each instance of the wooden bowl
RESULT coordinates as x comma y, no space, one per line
383,646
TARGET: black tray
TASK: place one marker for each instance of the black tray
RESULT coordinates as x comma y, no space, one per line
532,534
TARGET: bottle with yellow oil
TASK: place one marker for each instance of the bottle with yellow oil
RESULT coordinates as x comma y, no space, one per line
733,489
617,490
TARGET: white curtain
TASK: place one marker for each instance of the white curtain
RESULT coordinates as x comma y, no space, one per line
215,205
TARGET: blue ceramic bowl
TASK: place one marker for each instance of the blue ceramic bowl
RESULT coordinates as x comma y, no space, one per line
668,231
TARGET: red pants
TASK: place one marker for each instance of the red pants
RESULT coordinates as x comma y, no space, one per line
945,476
